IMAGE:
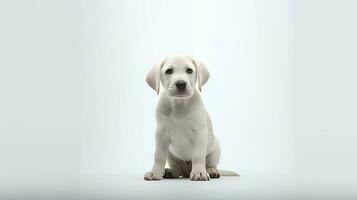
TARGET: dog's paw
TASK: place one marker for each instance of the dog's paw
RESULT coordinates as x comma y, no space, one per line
199,175
213,172
170,173
153,176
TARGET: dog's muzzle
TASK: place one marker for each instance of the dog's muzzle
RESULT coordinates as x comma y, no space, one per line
181,85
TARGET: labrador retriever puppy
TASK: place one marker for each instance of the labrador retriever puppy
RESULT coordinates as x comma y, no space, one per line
184,133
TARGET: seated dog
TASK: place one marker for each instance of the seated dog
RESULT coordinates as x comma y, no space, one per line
184,133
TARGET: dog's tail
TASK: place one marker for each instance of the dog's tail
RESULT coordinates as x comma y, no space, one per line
227,173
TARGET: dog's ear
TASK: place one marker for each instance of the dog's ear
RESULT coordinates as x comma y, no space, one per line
202,73
153,77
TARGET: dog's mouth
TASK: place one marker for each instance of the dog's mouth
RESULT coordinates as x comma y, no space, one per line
180,94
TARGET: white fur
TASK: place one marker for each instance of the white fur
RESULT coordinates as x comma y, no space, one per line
183,125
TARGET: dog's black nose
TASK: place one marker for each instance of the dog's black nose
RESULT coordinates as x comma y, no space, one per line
181,85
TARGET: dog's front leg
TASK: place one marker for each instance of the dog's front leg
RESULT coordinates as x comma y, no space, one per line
199,172
161,152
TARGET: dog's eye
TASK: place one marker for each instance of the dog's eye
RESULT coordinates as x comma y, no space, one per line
169,71
189,70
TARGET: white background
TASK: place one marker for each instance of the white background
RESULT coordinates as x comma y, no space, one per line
248,95
74,103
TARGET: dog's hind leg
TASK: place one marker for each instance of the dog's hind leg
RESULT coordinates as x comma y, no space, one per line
175,170
212,160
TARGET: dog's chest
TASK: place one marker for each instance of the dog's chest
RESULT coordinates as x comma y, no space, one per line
181,133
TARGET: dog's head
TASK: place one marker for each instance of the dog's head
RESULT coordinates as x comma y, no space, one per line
179,76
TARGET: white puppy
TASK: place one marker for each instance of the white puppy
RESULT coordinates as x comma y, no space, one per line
184,134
